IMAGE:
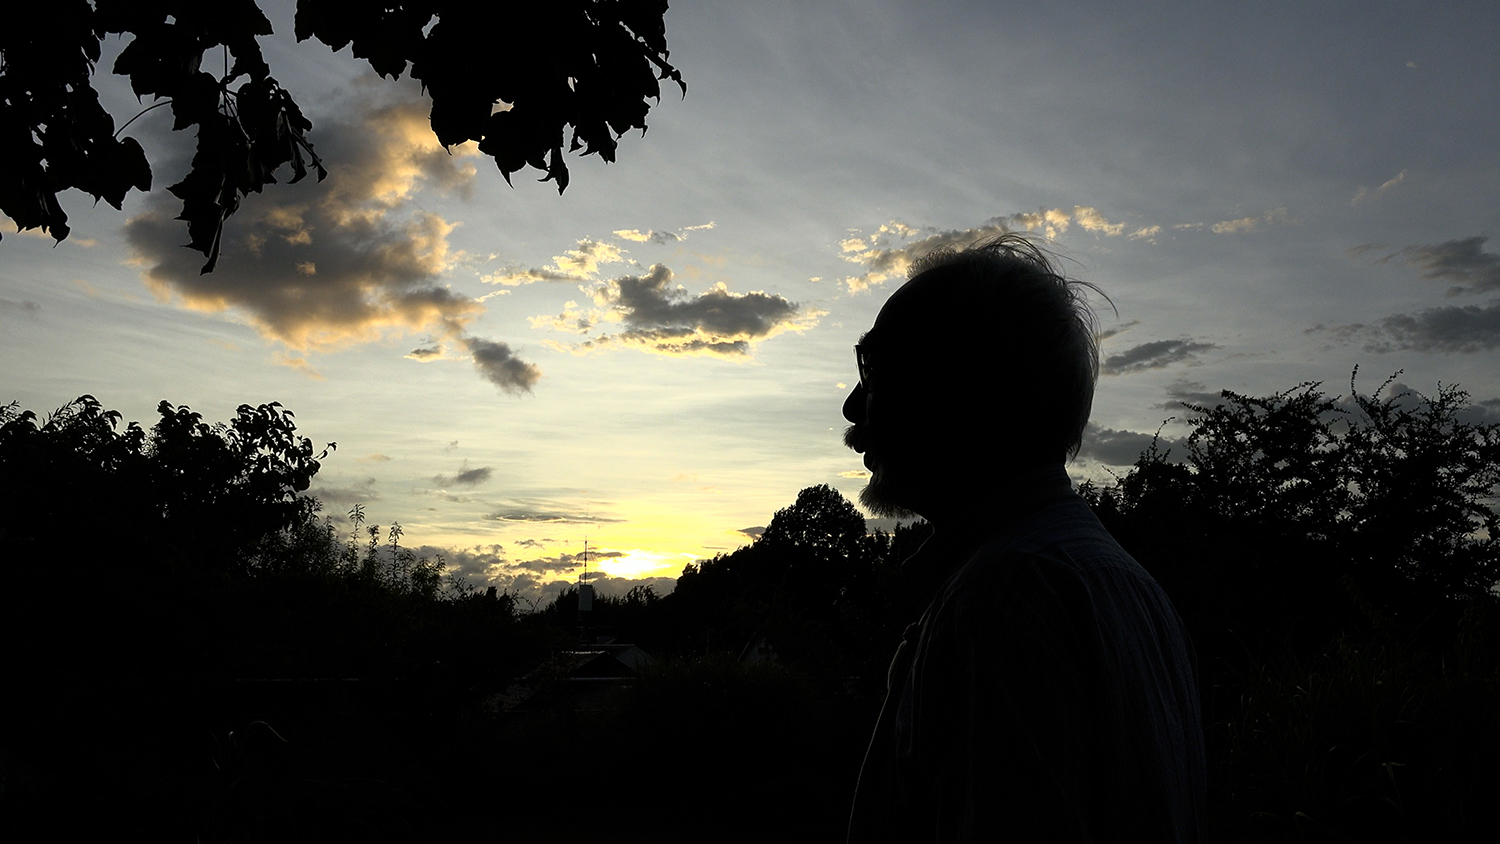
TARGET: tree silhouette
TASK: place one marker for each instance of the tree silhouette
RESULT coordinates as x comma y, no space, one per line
602,63
184,491
1296,515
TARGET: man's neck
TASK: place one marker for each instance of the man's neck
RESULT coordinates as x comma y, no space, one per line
1004,493
984,513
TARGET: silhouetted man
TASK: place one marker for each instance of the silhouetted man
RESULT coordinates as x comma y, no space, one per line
1047,692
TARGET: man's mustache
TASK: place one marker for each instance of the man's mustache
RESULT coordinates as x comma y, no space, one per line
857,437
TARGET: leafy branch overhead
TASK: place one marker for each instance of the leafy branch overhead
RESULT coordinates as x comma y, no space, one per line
479,63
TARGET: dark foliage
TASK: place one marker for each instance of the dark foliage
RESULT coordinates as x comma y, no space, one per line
186,490
168,593
814,589
1335,561
604,61
1294,516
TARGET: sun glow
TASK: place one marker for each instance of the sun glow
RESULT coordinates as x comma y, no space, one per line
637,563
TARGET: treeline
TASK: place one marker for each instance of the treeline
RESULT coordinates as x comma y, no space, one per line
1336,563
203,655
193,653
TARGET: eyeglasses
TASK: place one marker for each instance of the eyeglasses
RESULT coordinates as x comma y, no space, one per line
863,359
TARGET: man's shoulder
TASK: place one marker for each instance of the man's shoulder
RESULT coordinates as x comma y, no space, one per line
1058,553
1063,534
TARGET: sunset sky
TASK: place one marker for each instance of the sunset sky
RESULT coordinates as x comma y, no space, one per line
1270,193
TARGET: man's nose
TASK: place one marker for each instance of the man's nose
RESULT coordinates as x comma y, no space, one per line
854,406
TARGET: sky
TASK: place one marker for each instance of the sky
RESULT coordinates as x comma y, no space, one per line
654,362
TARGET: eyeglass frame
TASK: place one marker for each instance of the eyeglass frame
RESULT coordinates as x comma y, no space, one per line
863,362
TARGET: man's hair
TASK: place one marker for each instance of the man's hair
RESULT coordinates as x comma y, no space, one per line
1040,333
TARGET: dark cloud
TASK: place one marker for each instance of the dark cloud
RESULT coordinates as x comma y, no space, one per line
753,532
1117,330
359,492
670,320
1485,412
565,562
1119,448
527,543
319,266
1183,392
23,308
1157,354
426,352
500,366
480,565
1462,262
541,512
1465,329
561,562
465,476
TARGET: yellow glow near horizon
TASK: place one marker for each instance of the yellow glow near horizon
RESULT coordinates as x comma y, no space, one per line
638,563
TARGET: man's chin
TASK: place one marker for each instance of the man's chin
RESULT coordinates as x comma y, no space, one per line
878,498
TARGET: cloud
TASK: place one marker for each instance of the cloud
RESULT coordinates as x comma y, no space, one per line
669,320
1050,222
1157,354
465,476
426,353
753,532
1363,195
298,363
478,564
1485,412
561,562
318,267
23,308
1463,262
1183,392
855,474
580,264
500,366
360,492
886,252
647,236
1117,448
545,513
1090,220
1117,330
1464,330
375,458
882,258
1245,225
584,261
565,562
659,236
571,320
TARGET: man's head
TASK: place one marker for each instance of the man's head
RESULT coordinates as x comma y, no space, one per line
982,364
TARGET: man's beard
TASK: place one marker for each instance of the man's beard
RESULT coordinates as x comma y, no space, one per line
878,498
881,496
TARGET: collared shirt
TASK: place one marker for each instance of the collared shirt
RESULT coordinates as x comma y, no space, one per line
1046,694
